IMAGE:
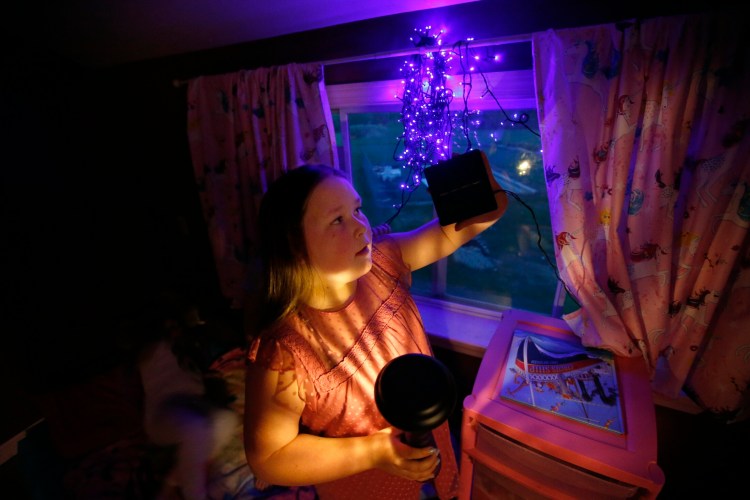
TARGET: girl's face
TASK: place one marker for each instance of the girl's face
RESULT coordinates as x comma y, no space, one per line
337,232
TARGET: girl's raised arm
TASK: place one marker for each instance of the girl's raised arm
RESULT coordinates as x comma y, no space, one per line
432,242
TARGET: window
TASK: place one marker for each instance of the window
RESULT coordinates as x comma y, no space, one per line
503,267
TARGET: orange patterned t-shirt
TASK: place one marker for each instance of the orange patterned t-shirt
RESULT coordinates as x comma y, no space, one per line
337,356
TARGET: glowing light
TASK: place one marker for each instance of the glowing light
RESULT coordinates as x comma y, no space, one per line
424,113
523,167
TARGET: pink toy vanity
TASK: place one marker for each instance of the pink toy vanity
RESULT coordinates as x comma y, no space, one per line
548,418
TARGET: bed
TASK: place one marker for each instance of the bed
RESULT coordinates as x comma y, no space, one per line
90,444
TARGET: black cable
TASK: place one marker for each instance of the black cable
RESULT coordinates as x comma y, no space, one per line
524,116
467,87
401,205
539,242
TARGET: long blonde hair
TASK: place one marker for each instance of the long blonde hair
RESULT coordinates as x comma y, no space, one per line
287,273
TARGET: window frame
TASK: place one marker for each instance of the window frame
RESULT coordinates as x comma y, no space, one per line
446,319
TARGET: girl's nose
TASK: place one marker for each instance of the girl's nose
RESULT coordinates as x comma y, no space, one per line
362,226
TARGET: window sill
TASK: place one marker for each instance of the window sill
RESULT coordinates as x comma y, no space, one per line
458,327
468,329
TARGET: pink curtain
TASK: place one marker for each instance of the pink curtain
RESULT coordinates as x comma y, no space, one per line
645,129
245,129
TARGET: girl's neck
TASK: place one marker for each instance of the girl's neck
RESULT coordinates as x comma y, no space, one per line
331,298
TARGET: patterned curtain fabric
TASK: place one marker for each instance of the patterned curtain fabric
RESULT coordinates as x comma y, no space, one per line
245,129
646,136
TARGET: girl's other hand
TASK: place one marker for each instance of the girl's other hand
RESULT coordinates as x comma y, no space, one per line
398,458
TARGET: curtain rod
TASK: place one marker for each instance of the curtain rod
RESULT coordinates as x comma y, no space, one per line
397,53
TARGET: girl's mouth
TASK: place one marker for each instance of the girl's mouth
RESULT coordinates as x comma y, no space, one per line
365,250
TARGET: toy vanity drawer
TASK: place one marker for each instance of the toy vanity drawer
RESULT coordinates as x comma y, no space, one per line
504,464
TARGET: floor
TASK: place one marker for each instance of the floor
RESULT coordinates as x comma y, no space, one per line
701,457
13,419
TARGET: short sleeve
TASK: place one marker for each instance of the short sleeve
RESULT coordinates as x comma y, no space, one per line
270,354
273,354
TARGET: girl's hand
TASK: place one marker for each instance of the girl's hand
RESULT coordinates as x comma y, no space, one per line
431,242
397,458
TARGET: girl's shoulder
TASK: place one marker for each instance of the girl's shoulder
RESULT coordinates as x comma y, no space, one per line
386,254
276,347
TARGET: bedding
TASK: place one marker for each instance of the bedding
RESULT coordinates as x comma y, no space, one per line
120,462
231,476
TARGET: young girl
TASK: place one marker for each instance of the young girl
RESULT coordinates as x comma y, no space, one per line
337,309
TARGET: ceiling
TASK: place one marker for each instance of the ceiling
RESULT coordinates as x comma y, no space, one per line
97,33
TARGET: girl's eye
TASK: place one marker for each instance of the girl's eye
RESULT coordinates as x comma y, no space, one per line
337,220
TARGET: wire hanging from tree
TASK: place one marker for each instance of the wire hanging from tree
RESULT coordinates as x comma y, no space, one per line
425,112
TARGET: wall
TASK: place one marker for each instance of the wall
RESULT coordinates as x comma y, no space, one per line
99,196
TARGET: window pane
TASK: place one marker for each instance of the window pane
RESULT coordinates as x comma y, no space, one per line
503,266
377,177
